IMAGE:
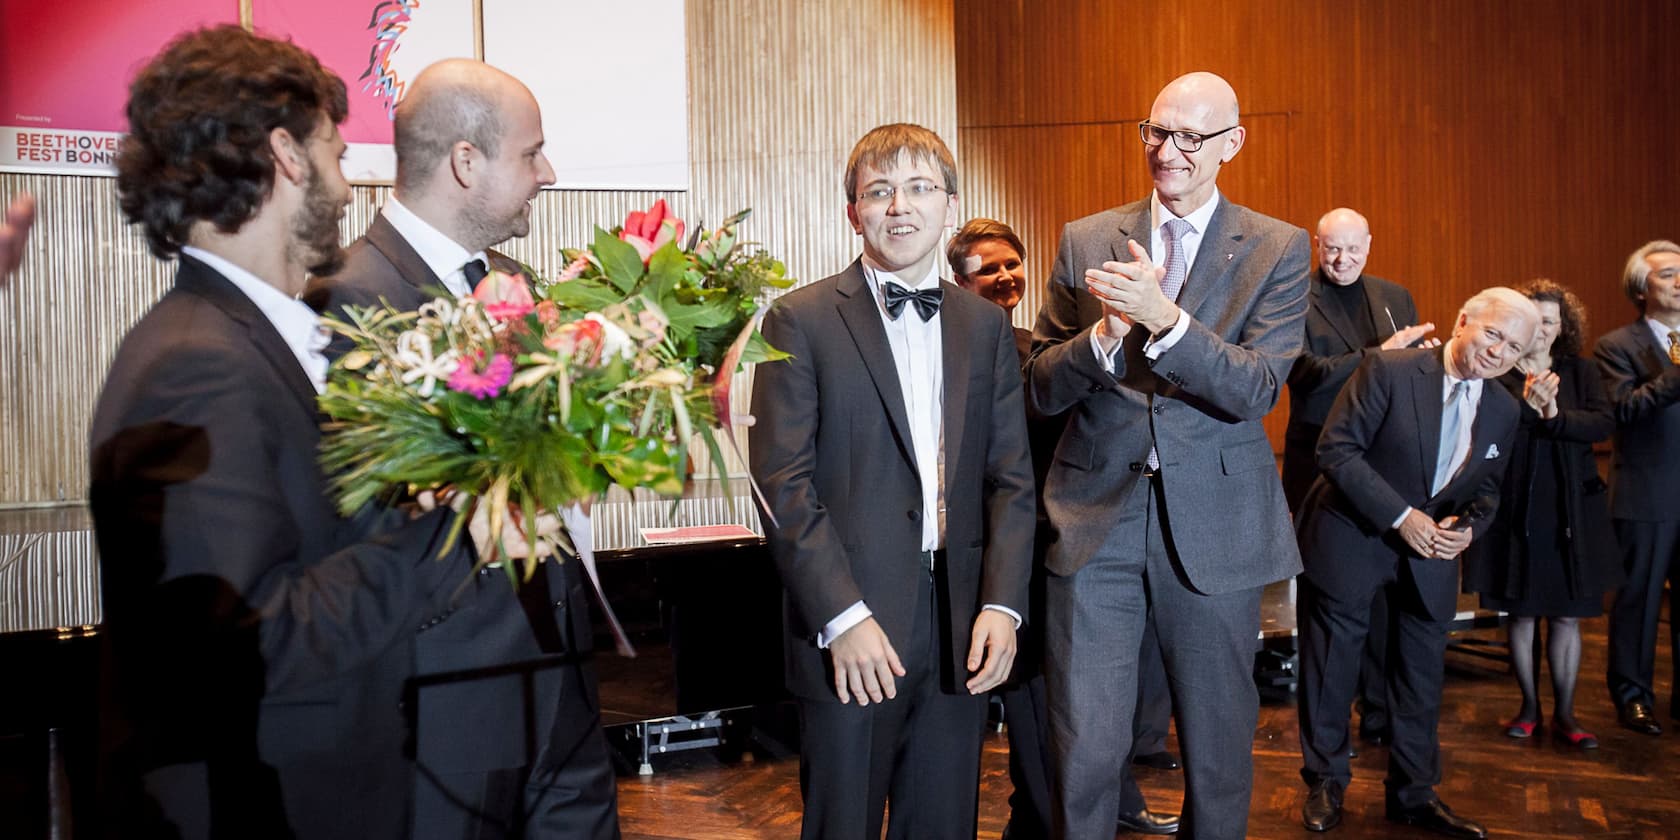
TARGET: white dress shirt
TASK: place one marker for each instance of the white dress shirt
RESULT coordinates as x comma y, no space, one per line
444,256
1191,242
296,323
919,358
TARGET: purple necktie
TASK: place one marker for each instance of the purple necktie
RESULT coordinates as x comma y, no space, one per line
1173,281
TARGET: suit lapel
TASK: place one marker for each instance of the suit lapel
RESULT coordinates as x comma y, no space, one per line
1428,405
858,311
1653,356
1133,225
1315,292
204,281
414,271
958,344
1381,314
1223,247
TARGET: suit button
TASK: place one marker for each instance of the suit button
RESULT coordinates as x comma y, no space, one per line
1135,467
915,515
1155,409
1097,389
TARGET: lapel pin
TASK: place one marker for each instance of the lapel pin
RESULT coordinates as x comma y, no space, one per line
1493,451
1228,257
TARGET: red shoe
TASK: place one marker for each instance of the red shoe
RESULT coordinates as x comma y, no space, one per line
1520,728
1579,739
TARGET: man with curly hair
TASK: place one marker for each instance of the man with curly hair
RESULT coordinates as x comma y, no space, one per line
258,642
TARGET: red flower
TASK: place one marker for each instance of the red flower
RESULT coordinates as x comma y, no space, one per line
648,232
505,296
482,384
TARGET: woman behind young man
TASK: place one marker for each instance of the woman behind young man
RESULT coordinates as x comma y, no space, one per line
1550,552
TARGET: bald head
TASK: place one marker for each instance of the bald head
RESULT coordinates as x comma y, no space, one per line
450,101
1202,91
1344,244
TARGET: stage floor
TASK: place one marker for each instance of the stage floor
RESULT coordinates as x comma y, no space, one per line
1527,789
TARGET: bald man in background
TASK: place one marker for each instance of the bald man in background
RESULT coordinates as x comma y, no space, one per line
1350,315
508,729
1169,326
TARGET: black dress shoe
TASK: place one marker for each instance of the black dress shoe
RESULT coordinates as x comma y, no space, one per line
1437,817
1148,822
1159,760
1637,716
1323,809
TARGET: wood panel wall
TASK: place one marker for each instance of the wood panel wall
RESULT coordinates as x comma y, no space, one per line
1488,141
778,93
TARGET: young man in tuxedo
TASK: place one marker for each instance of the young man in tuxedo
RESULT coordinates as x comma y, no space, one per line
508,739
1641,367
892,452
1411,455
258,642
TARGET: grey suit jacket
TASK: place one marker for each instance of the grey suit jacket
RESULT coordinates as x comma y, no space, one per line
832,451
492,656
1200,403
1328,357
1644,390
1378,455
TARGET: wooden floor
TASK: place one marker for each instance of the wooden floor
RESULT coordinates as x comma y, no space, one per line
1630,788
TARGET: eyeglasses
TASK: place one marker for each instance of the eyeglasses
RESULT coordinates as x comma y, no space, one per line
915,190
1186,141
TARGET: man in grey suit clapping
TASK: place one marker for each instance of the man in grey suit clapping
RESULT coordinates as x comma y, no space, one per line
1169,328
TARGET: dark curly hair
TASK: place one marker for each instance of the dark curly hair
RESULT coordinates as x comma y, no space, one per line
199,117
1571,312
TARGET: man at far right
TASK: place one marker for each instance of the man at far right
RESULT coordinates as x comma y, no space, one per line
1411,459
1640,363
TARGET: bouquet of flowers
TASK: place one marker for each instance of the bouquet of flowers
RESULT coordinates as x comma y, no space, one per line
532,395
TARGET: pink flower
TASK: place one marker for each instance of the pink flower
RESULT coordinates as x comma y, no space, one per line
505,296
482,384
648,232
579,340
574,269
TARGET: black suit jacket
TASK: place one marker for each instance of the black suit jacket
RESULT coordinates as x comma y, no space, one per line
832,452
1328,357
1377,455
490,663
1644,391
258,642
1498,562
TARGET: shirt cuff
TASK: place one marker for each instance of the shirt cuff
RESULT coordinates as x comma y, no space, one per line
1006,611
1402,518
1154,347
1104,359
848,618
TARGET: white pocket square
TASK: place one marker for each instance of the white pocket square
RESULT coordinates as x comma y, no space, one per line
1493,452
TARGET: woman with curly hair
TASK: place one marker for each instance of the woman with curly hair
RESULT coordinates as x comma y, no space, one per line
1549,552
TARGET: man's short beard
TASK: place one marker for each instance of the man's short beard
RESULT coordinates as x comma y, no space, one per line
315,232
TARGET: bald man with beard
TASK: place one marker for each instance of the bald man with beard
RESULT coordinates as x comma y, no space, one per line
508,739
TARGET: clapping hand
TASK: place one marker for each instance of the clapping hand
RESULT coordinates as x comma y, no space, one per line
1407,336
1540,392
1130,293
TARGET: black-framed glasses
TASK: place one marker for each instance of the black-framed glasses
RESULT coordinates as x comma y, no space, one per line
915,191
1186,141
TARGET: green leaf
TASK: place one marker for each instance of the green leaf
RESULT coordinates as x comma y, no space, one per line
584,295
759,350
619,260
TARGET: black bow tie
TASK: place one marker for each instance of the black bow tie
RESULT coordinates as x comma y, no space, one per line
926,300
473,272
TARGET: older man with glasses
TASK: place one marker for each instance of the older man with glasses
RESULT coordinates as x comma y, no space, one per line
1169,328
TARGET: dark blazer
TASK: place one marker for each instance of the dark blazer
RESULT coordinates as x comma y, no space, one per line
258,642
1377,455
1496,564
1644,391
832,452
1205,398
492,657
1328,357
